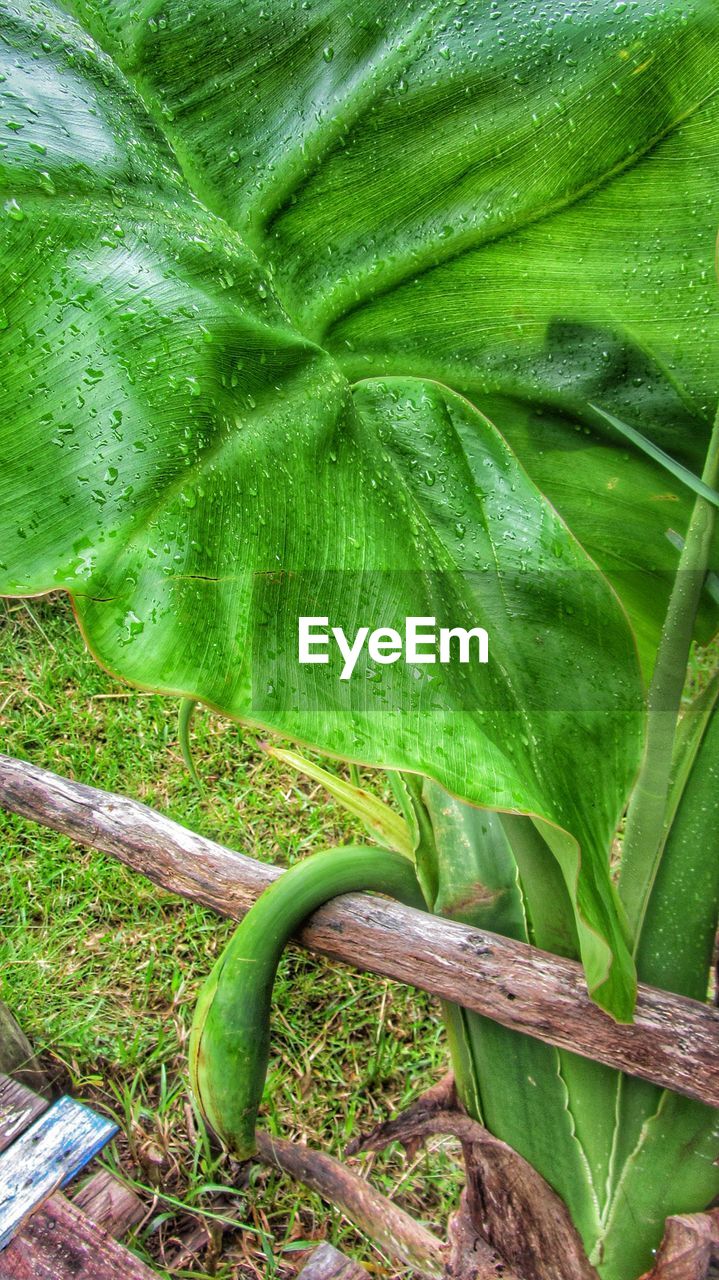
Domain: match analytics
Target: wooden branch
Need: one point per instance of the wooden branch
(17, 1057)
(674, 1042)
(375, 1215)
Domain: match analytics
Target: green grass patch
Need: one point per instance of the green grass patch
(101, 968)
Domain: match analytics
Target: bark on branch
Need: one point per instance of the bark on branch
(673, 1041)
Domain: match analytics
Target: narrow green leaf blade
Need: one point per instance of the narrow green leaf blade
(184, 724)
(665, 1145)
(683, 474)
(387, 827)
(672, 1170)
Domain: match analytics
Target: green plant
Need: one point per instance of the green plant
(270, 275)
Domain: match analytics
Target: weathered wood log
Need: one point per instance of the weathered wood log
(673, 1042)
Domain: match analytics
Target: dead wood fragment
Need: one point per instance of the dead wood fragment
(690, 1244)
(508, 1204)
(470, 1257)
(17, 1058)
(517, 1212)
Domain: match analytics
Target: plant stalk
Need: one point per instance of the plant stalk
(646, 816)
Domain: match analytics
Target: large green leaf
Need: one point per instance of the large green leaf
(518, 202)
(198, 474)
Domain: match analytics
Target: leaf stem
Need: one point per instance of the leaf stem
(647, 808)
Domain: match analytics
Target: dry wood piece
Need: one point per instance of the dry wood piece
(518, 1222)
(110, 1204)
(470, 1257)
(512, 1207)
(18, 1108)
(327, 1263)
(674, 1042)
(384, 1222)
(61, 1243)
(690, 1244)
(16, 1054)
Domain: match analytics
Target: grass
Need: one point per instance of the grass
(101, 968)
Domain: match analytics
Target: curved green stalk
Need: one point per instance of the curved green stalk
(647, 810)
(230, 1036)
